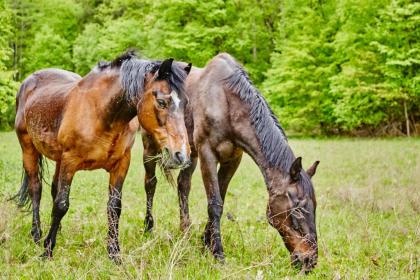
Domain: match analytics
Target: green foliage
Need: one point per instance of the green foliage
(8, 89)
(347, 66)
(97, 42)
(7, 85)
(297, 84)
(398, 47)
(45, 32)
(326, 67)
(51, 49)
(380, 75)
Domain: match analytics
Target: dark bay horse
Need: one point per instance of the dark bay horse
(226, 116)
(89, 123)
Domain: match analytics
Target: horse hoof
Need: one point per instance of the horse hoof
(115, 258)
(46, 256)
(36, 236)
(185, 226)
(220, 257)
(148, 224)
(114, 252)
(206, 240)
(37, 240)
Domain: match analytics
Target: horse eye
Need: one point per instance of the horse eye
(161, 103)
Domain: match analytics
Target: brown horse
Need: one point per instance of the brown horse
(84, 124)
(226, 116)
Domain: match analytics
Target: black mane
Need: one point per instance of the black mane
(133, 71)
(270, 134)
(118, 61)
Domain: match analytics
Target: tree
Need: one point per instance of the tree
(358, 85)
(99, 42)
(326, 67)
(398, 47)
(297, 84)
(37, 22)
(8, 87)
(51, 49)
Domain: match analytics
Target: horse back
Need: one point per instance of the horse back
(206, 90)
(217, 112)
(40, 104)
(47, 84)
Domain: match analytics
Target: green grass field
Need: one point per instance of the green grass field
(368, 193)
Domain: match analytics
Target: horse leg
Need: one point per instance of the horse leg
(150, 182)
(54, 184)
(31, 157)
(212, 236)
(224, 175)
(226, 172)
(60, 206)
(184, 187)
(116, 181)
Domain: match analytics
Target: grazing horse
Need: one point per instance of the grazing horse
(89, 123)
(225, 117)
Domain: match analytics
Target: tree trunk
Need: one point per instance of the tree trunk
(407, 120)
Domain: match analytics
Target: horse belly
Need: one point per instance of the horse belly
(226, 151)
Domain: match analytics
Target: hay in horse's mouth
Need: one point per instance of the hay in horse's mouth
(166, 166)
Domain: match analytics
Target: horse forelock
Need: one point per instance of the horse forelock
(177, 80)
(306, 184)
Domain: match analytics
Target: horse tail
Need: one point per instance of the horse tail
(22, 197)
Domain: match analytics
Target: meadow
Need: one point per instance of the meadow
(368, 193)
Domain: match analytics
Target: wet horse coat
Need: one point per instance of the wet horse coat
(87, 123)
(226, 116)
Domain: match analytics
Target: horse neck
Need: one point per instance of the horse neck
(112, 104)
(273, 175)
(273, 170)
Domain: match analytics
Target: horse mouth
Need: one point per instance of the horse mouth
(175, 164)
(304, 262)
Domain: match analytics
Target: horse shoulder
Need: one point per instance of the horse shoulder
(210, 110)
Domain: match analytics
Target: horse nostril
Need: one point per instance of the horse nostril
(179, 157)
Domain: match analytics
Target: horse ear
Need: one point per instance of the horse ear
(295, 169)
(165, 69)
(311, 171)
(188, 68)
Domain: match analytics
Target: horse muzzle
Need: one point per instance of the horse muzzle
(306, 262)
(177, 159)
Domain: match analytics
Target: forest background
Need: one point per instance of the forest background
(327, 67)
